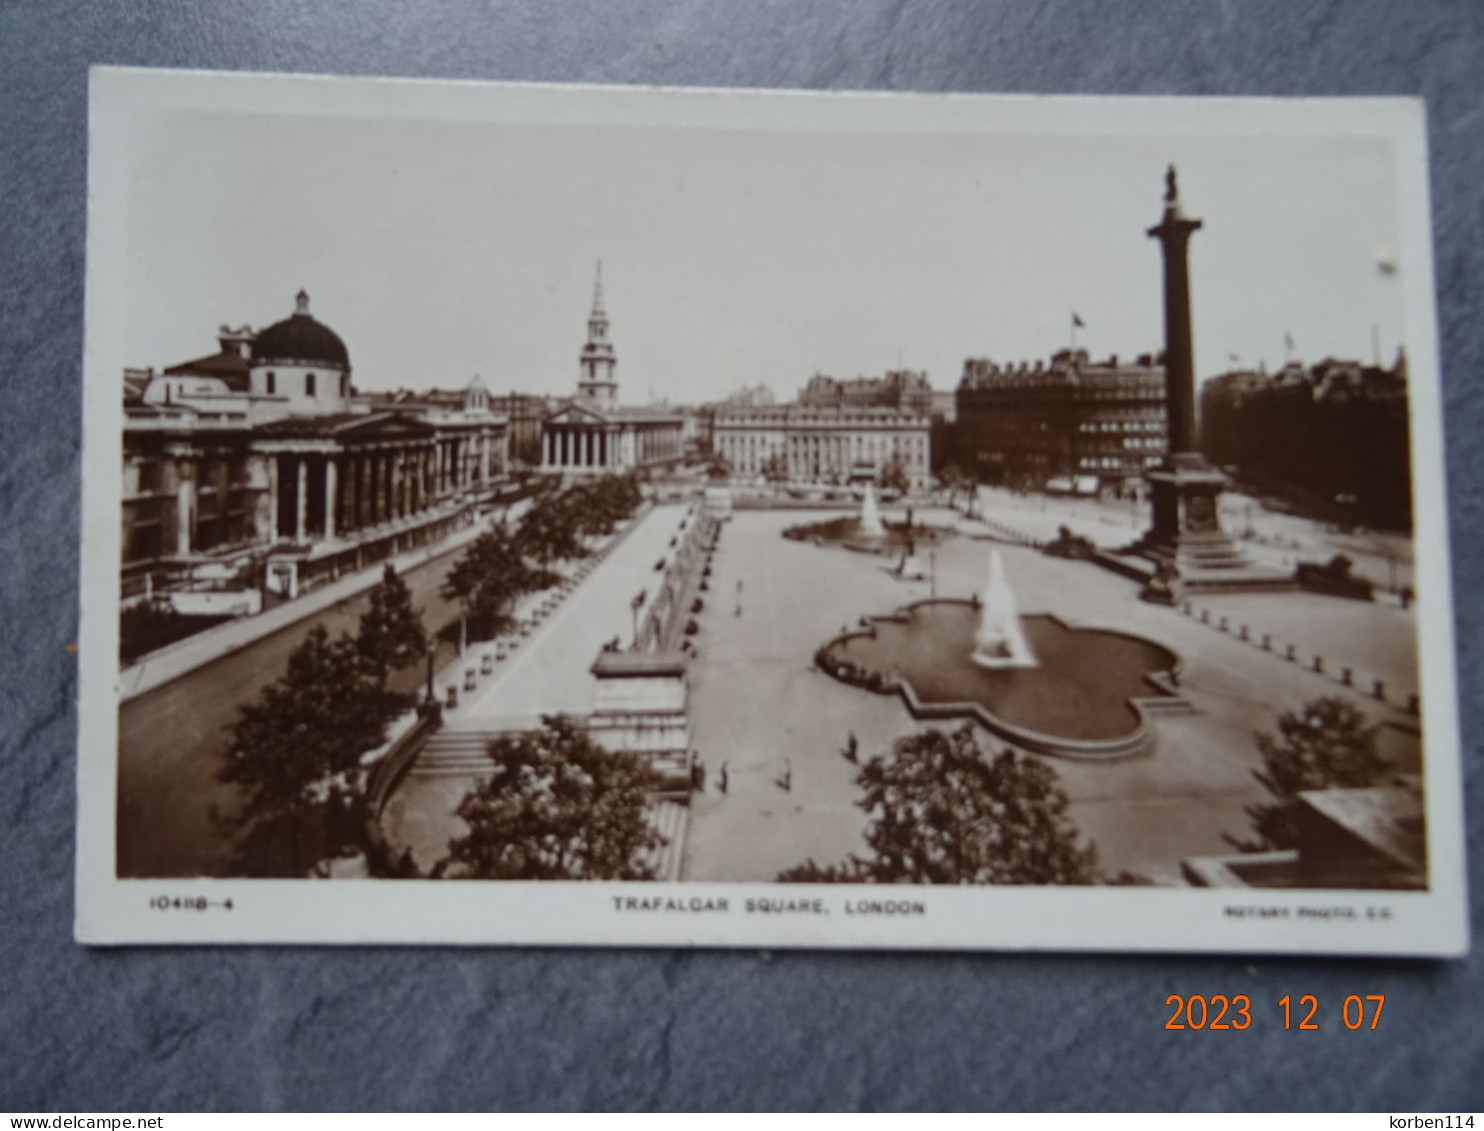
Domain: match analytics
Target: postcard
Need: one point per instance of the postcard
(521, 514)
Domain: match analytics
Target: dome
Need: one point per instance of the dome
(300, 338)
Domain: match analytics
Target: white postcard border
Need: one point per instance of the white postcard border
(115, 911)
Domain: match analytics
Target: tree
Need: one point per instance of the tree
(295, 754)
(557, 807)
(1326, 744)
(549, 531)
(390, 637)
(944, 812)
(894, 475)
(487, 580)
(954, 481)
(718, 467)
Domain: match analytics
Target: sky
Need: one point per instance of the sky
(443, 249)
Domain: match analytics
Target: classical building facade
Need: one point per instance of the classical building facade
(821, 445)
(1333, 436)
(593, 433)
(1025, 424)
(260, 466)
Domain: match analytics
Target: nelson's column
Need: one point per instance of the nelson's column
(1185, 540)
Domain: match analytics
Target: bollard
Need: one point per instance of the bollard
(1319, 664)
(1290, 653)
(1188, 608)
(1242, 633)
(1205, 616)
(469, 679)
(1223, 624)
(1267, 642)
(487, 663)
(1379, 690)
(1347, 677)
(453, 696)
(1414, 706)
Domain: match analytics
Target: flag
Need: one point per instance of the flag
(1077, 319)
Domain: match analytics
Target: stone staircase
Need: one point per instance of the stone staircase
(672, 819)
(452, 753)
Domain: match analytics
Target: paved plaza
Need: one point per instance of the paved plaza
(778, 726)
(550, 673)
(758, 705)
(1271, 539)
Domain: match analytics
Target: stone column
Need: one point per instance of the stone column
(330, 483)
(1174, 232)
(185, 505)
(301, 515)
(272, 499)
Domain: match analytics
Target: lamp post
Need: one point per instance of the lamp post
(932, 573)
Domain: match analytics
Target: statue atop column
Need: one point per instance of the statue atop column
(1185, 541)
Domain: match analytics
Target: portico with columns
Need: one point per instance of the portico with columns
(592, 434)
(337, 479)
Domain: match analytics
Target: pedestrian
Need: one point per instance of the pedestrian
(786, 782)
(722, 778)
(852, 748)
(739, 585)
(739, 608)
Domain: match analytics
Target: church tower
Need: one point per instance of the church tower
(597, 383)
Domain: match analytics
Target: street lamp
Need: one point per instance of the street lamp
(932, 573)
(634, 606)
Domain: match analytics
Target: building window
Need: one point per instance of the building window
(309, 384)
(272, 384)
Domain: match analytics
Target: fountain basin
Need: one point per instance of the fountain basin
(846, 531)
(1089, 695)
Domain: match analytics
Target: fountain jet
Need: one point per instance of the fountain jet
(1000, 641)
(870, 520)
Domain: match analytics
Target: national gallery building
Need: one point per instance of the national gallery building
(260, 466)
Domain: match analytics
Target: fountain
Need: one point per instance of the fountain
(871, 525)
(1042, 683)
(868, 532)
(1000, 641)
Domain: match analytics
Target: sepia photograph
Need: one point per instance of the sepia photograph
(832, 520)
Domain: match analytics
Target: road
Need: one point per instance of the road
(171, 738)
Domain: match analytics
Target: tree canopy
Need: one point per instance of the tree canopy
(894, 475)
(489, 577)
(945, 812)
(557, 807)
(295, 752)
(1326, 744)
(390, 637)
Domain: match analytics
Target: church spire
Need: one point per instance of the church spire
(597, 382)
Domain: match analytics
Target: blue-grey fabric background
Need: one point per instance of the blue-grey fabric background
(309, 1028)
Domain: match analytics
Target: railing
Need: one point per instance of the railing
(383, 780)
